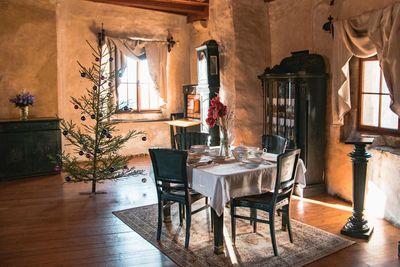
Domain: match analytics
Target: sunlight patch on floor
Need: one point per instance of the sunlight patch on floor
(303, 200)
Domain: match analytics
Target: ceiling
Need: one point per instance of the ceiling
(193, 9)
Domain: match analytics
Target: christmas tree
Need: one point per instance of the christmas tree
(94, 142)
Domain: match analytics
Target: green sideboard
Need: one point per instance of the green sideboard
(25, 147)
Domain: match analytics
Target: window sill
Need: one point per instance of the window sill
(125, 117)
(139, 112)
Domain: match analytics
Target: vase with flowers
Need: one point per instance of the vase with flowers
(23, 101)
(218, 114)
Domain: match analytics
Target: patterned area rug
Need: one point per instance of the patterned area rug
(252, 249)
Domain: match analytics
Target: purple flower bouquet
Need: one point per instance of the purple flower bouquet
(23, 99)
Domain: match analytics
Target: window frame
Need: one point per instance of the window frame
(139, 110)
(367, 128)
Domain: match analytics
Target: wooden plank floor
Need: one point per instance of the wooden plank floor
(44, 222)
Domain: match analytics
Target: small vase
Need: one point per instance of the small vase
(224, 143)
(24, 111)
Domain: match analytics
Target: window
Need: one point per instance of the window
(136, 91)
(374, 113)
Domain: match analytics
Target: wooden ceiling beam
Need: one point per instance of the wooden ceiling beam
(174, 6)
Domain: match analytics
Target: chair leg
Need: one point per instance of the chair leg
(180, 214)
(159, 225)
(233, 223)
(255, 222)
(284, 220)
(289, 226)
(252, 215)
(188, 222)
(212, 220)
(272, 231)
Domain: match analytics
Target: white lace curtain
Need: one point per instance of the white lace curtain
(155, 53)
(376, 32)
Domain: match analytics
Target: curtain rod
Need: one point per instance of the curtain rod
(170, 42)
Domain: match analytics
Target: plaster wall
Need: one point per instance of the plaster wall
(28, 56)
(297, 25)
(241, 29)
(78, 21)
(384, 185)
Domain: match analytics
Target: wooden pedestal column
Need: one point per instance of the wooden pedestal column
(357, 226)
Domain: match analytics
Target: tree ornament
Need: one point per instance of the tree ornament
(93, 116)
(81, 153)
(97, 59)
(104, 132)
(109, 136)
(88, 155)
(102, 77)
(68, 179)
(76, 107)
(144, 138)
(98, 150)
(112, 169)
(110, 83)
(111, 59)
(126, 167)
(65, 132)
(94, 87)
(83, 74)
(83, 118)
(144, 180)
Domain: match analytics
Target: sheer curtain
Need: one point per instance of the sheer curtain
(154, 52)
(376, 32)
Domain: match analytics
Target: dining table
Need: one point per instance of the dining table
(221, 182)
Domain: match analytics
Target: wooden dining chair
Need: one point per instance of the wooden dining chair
(185, 140)
(174, 129)
(274, 143)
(271, 201)
(170, 174)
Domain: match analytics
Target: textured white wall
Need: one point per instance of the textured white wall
(241, 29)
(29, 56)
(384, 184)
(78, 21)
(297, 25)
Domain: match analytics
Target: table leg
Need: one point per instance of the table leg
(218, 222)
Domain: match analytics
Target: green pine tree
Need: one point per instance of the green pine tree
(94, 142)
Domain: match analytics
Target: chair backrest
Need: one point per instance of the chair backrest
(174, 129)
(169, 166)
(185, 140)
(286, 173)
(274, 143)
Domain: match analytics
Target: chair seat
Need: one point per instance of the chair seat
(261, 201)
(177, 192)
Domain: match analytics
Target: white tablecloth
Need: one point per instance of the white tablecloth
(225, 181)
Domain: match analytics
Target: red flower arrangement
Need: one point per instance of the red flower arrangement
(216, 112)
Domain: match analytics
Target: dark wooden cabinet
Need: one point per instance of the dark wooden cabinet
(294, 106)
(26, 147)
